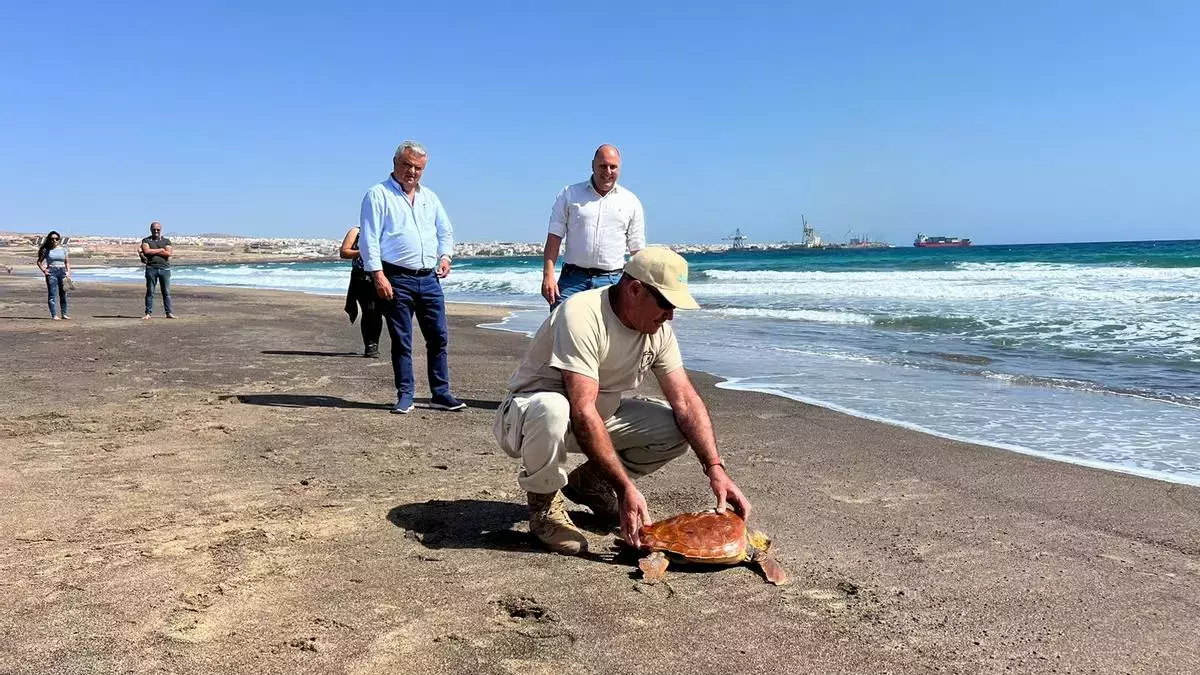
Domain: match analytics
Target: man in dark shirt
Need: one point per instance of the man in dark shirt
(156, 254)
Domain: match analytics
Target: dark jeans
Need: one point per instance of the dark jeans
(420, 295)
(56, 289)
(575, 279)
(371, 326)
(162, 277)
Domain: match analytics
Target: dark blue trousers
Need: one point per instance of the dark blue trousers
(419, 296)
(160, 276)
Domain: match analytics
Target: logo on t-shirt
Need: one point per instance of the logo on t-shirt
(646, 362)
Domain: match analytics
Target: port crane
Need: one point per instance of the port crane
(739, 240)
(811, 240)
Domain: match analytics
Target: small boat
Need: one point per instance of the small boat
(940, 242)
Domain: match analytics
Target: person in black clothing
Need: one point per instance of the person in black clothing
(361, 295)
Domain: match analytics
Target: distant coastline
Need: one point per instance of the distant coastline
(20, 248)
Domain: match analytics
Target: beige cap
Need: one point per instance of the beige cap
(666, 271)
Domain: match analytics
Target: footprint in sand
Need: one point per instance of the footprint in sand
(887, 495)
(526, 616)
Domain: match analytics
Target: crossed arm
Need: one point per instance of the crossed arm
(164, 251)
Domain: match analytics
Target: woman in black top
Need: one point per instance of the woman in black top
(361, 294)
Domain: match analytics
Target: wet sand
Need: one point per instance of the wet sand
(226, 492)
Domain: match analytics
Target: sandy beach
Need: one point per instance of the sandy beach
(227, 492)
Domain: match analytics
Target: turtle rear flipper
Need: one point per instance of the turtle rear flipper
(653, 566)
(772, 570)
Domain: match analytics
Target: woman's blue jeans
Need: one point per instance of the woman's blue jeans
(56, 289)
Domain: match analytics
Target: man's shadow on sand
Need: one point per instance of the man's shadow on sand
(320, 401)
(301, 352)
(476, 523)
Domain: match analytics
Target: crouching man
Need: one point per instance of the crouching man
(566, 396)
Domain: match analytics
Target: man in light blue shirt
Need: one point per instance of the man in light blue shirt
(405, 240)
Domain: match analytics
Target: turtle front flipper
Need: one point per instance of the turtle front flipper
(653, 566)
(772, 570)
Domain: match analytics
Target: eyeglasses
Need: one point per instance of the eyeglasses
(663, 304)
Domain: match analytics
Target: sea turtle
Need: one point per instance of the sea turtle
(708, 538)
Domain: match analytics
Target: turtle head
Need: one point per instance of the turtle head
(758, 544)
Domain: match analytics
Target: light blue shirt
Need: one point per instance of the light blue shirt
(57, 256)
(412, 235)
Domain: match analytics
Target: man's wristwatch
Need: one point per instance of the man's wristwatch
(719, 462)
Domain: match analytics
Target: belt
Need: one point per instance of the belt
(590, 271)
(389, 268)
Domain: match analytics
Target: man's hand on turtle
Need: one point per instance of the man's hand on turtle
(634, 514)
(727, 492)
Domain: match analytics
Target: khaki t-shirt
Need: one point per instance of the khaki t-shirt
(585, 336)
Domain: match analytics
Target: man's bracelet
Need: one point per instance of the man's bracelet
(719, 462)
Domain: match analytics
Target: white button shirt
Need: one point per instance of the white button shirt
(598, 230)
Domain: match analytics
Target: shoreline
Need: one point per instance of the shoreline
(730, 382)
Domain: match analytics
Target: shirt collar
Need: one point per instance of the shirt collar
(400, 188)
(591, 181)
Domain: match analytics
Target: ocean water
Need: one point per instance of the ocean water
(1088, 353)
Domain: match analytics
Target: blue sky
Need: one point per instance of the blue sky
(1005, 121)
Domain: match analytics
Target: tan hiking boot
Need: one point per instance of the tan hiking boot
(586, 486)
(549, 522)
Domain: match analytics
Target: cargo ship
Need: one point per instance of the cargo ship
(940, 242)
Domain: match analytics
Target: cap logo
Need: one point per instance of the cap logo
(682, 278)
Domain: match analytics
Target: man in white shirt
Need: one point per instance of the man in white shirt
(599, 221)
(566, 397)
(405, 240)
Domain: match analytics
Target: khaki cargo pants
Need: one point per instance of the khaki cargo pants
(536, 427)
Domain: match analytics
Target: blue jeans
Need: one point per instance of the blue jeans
(162, 277)
(575, 279)
(56, 289)
(420, 295)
